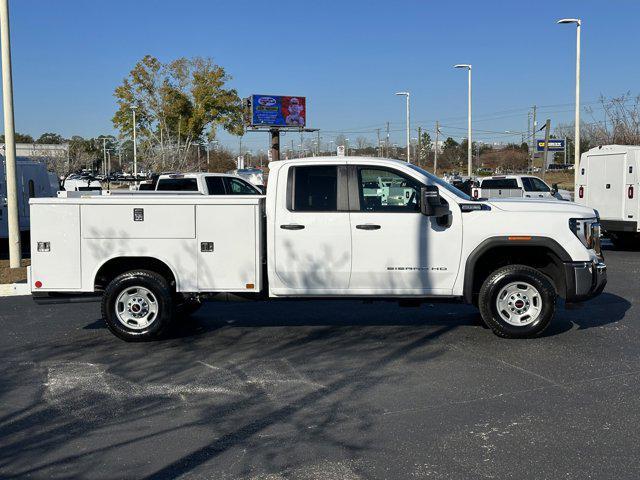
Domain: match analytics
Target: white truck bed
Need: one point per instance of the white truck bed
(83, 233)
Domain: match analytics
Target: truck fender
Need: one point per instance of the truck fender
(506, 241)
(163, 260)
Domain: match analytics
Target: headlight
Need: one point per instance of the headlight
(588, 232)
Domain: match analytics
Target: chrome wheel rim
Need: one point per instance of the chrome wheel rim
(136, 308)
(519, 304)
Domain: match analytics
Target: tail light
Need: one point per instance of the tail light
(630, 191)
(581, 192)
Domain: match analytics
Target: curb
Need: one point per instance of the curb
(14, 289)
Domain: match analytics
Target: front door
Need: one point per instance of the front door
(312, 231)
(397, 249)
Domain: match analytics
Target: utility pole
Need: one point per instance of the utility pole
(318, 146)
(104, 155)
(386, 145)
(419, 152)
(275, 144)
(15, 251)
(379, 148)
(435, 150)
(547, 127)
(135, 145)
(534, 131)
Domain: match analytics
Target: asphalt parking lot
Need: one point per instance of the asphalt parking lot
(324, 390)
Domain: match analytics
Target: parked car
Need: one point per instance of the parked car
(329, 227)
(206, 183)
(527, 186)
(608, 181)
(81, 183)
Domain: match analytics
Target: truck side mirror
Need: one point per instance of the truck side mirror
(554, 188)
(430, 204)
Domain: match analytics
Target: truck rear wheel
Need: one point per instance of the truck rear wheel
(138, 305)
(517, 301)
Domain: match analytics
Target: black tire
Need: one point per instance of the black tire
(163, 304)
(502, 279)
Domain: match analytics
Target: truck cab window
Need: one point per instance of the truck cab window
(178, 184)
(315, 189)
(236, 186)
(500, 183)
(215, 185)
(533, 184)
(383, 190)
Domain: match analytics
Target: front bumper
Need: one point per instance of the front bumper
(584, 280)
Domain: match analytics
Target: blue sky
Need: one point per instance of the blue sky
(347, 58)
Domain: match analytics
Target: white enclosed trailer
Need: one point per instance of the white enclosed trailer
(608, 181)
(34, 181)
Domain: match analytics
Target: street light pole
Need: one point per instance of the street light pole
(135, 145)
(578, 23)
(469, 141)
(407, 95)
(10, 141)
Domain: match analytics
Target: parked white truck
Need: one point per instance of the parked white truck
(509, 186)
(608, 181)
(331, 227)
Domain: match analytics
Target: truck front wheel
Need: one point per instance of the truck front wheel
(138, 305)
(517, 301)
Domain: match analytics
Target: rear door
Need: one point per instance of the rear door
(605, 189)
(312, 231)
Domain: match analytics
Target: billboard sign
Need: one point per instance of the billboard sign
(278, 111)
(555, 145)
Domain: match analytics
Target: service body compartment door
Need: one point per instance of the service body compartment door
(228, 247)
(56, 261)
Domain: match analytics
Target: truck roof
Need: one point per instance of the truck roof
(196, 175)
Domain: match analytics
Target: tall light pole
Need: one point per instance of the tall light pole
(10, 141)
(407, 95)
(469, 141)
(135, 144)
(578, 23)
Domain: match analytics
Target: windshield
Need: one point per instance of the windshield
(441, 183)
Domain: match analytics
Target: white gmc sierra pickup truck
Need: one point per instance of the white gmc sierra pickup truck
(333, 227)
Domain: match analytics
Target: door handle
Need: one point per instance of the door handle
(292, 226)
(368, 226)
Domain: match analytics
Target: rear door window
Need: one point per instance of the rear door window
(215, 185)
(315, 189)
